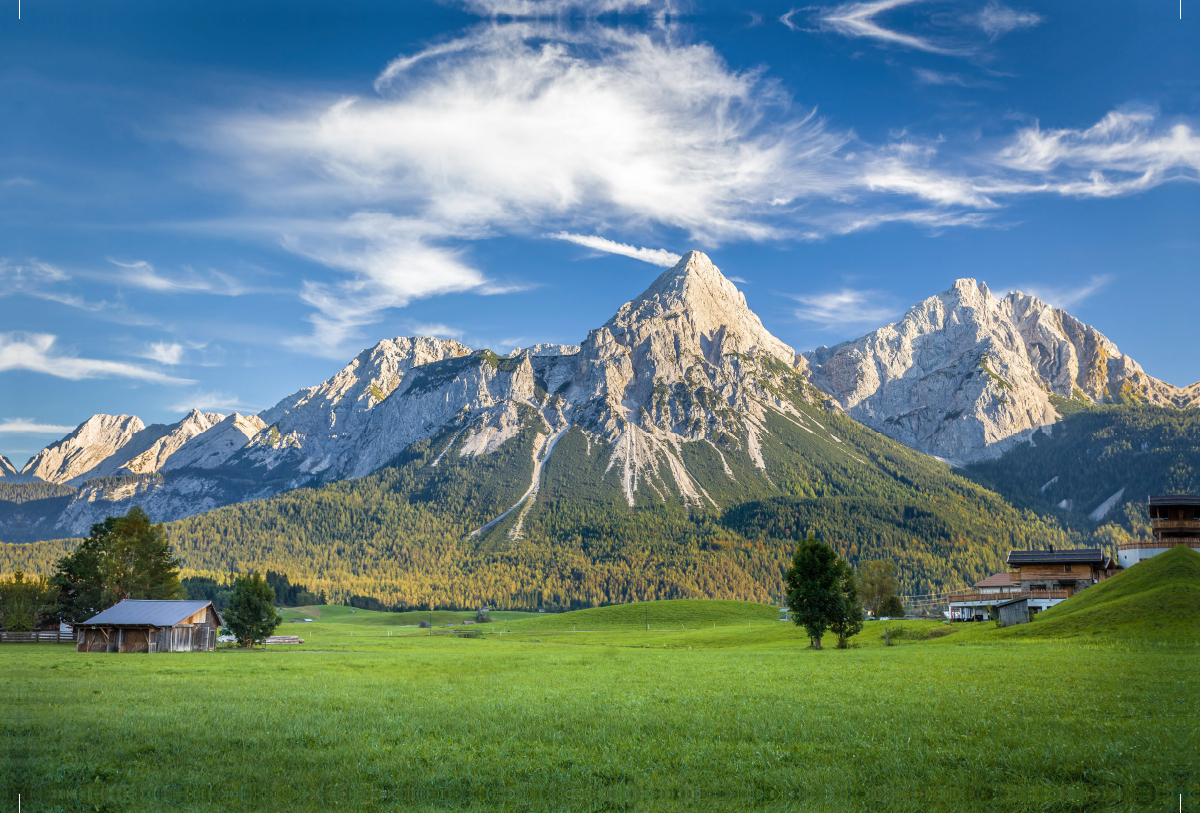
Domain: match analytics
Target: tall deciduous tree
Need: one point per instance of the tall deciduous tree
(878, 581)
(814, 584)
(123, 557)
(251, 612)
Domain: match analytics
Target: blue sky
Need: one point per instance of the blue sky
(214, 204)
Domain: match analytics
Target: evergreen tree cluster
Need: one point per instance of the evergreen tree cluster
(1090, 455)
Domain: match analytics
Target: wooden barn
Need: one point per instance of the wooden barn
(151, 626)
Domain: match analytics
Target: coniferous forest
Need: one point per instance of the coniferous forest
(406, 536)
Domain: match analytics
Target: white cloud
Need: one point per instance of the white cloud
(164, 352)
(18, 276)
(997, 19)
(525, 127)
(654, 256)
(862, 20)
(211, 401)
(859, 20)
(27, 426)
(142, 274)
(538, 9)
(391, 262)
(35, 352)
(844, 307)
(1067, 298)
(930, 77)
(1121, 154)
(438, 330)
(567, 131)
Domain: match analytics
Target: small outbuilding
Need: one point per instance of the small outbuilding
(1014, 611)
(151, 626)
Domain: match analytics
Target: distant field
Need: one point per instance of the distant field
(717, 706)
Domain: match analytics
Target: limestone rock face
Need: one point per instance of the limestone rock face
(685, 362)
(92, 443)
(327, 429)
(217, 444)
(964, 375)
(154, 446)
(540, 350)
(7, 469)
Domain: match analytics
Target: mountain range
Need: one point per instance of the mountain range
(682, 398)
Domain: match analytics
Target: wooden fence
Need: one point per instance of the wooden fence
(37, 637)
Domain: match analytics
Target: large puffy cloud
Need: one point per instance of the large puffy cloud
(508, 130)
(592, 133)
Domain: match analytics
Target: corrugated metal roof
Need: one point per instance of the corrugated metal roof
(1029, 557)
(1012, 601)
(152, 613)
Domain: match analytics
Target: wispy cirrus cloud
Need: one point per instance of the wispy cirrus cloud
(940, 30)
(835, 309)
(1068, 297)
(141, 274)
(210, 401)
(1123, 153)
(28, 426)
(655, 256)
(861, 20)
(35, 352)
(997, 19)
(541, 9)
(930, 77)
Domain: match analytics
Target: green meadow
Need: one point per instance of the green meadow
(714, 706)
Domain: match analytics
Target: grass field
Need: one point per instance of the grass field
(591, 711)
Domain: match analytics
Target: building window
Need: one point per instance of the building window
(1068, 568)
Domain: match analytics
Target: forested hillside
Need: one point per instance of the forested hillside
(1094, 454)
(404, 534)
(28, 510)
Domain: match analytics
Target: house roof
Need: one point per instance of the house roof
(1012, 601)
(1176, 499)
(1037, 557)
(996, 580)
(137, 612)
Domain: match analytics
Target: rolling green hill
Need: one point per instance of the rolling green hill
(1156, 599)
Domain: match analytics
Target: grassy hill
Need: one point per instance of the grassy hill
(1157, 599)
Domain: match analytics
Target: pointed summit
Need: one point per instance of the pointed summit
(696, 289)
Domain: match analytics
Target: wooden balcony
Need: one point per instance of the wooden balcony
(998, 597)
(1176, 525)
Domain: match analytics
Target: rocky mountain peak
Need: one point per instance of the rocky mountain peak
(964, 375)
(7, 469)
(93, 441)
(696, 290)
